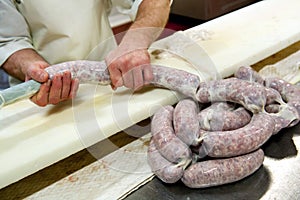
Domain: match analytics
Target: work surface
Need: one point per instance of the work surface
(32, 150)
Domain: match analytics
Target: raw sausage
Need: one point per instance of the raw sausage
(164, 138)
(94, 72)
(186, 125)
(249, 94)
(239, 141)
(215, 118)
(221, 171)
(175, 79)
(166, 171)
(249, 74)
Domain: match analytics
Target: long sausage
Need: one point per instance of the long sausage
(164, 138)
(186, 125)
(221, 171)
(239, 141)
(165, 170)
(251, 95)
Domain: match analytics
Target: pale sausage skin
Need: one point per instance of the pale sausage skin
(186, 125)
(239, 141)
(165, 170)
(249, 94)
(175, 79)
(249, 74)
(96, 72)
(85, 71)
(215, 118)
(222, 171)
(164, 138)
(289, 92)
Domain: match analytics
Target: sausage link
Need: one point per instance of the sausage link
(186, 125)
(222, 171)
(166, 171)
(166, 142)
(216, 119)
(175, 79)
(239, 141)
(289, 92)
(85, 71)
(249, 74)
(96, 72)
(249, 94)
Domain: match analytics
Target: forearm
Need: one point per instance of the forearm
(151, 18)
(20, 61)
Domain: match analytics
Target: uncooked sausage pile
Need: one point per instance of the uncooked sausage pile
(214, 136)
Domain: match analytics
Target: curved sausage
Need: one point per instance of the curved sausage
(221, 171)
(175, 79)
(239, 141)
(166, 171)
(216, 119)
(284, 116)
(249, 74)
(164, 138)
(186, 125)
(289, 92)
(249, 94)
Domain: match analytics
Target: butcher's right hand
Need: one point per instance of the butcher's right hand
(60, 87)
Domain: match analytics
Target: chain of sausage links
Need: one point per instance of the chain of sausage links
(221, 143)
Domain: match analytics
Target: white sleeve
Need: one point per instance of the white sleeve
(14, 32)
(127, 7)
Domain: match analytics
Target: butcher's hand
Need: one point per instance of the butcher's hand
(131, 69)
(52, 91)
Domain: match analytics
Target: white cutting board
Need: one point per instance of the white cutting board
(32, 138)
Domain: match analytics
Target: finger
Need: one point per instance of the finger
(147, 74)
(66, 84)
(128, 78)
(41, 98)
(55, 90)
(115, 76)
(138, 78)
(37, 74)
(74, 88)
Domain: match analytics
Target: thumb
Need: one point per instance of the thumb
(37, 73)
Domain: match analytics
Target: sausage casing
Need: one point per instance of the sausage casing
(239, 141)
(221, 171)
(186, 125)
(164, 138)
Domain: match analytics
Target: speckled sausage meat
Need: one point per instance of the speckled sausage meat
(165, 170)
(186, 125)
(164, 138)
(249, 74)
(221, 171)
(239, 141)
(289, 92)
(85, 71)
(175, 79)
(96, 72)
(215, 118)
(249, 94)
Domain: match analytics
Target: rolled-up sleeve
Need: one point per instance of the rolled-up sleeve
(14, 32)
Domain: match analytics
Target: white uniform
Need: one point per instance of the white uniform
(60, 30)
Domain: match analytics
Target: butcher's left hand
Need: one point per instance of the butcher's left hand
(131, 69)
